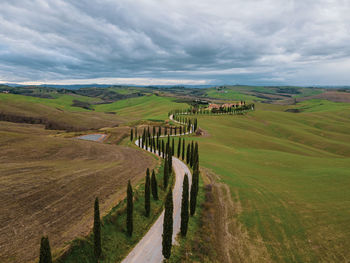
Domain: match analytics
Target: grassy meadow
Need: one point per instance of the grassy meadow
(289, 178)
(287, 173)
(153, 108)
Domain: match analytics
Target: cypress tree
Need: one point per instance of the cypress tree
(166, 173)
(163, 153)
(194, 191)
(192, 154)
(179, 148)
(158, 141)
(183, 149)
(45, 250)
(135, 132)
(154, 131)
(168, 225)
(154, 145)
(143, 137)
(180, 130)
(147, 194)
(172, 147)
(196, 156)
(129, 208)
(170, 161)
(97, 230)
(188, 153)
(184, 207)
(154, 186)
(131, 134)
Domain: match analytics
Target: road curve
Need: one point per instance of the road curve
(149, 248)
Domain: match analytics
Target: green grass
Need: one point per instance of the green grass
(290, 172)
(145, 107)
(317, 105)
(59, 101)
(251, 93)
(193, 247)
(230, 93)
(116, 244)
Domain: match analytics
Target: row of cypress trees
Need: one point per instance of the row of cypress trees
(222, 110)
(151, 186)
(191, 125)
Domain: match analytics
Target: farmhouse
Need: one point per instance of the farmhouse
(213, 106)
(225, 105)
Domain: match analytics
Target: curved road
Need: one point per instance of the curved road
(149, 248)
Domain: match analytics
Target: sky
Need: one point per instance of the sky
(169, 42)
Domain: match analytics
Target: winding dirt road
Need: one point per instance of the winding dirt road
(149, 248)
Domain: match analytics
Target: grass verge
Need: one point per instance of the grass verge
(115, 242)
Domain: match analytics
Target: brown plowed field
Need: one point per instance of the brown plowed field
(48, 186)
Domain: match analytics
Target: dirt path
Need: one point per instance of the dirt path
(149, 249)
(232, 241)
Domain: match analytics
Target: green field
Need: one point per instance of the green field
(63, 102)
(289, 173)
(145, 107)
(259, 93)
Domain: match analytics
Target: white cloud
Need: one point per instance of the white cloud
(247, 41)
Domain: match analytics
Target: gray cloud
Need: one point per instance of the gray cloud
(241, 41)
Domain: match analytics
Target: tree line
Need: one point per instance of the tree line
(151, 187)
(190, 126)
(221, 110)
(153, 143)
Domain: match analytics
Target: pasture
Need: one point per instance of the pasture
(289, 177)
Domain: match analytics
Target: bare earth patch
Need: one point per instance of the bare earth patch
(48, 185)
(232, 242)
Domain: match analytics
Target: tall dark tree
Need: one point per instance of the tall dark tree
(168, 225)
(172, 147)
(45, 251)
(179, 148)
(131, 134)
(170, 161)
(154, 186)
(163, 150)
(148, 194)
(184, 207)
(97, 230)
(166, 174)
(192, 154)
(183, 149)
(194, 191)
(143, 137)
(129, 210)
(188, 153)
(196, 157)
(136, 132)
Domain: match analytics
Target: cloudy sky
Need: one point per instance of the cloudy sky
(300, 42)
